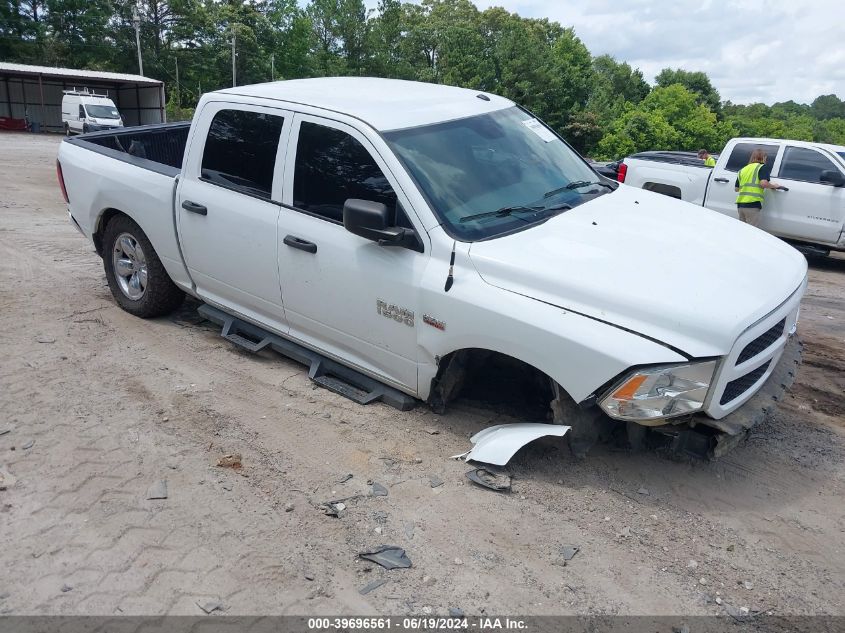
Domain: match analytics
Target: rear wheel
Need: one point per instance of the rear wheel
(137, 279)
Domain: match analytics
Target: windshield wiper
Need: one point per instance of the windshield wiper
(558, 207)
(501, 213)
(577, 185)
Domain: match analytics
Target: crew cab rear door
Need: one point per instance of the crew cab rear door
(811, 210)
(721, 195)
(346, 295)
(228, 208)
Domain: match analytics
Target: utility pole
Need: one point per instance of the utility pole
(234, 55)
(177, 76)
(272, 66)
(136, 21)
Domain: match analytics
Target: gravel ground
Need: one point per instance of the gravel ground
(101, 406)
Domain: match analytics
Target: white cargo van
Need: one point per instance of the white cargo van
(84, 111)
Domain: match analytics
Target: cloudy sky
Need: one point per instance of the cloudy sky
(752, 50)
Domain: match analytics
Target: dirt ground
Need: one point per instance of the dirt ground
(114, 404)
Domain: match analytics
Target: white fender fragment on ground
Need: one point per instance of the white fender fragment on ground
(497, 444)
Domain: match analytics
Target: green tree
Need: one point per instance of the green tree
(695, 81)
(340, 33)
(613, 85)
(77, 28)
(828, 107)
(637, 130)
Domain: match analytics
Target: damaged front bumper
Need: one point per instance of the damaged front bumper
(687, 435)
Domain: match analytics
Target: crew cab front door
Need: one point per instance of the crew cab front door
(228, 209)
(811, 210)
(345, 295)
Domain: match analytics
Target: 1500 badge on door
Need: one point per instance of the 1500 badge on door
(397, 313)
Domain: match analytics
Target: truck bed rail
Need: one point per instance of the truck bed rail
(689, 159)
(159, 147)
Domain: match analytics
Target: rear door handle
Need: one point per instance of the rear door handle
(193, 207)
(303, 245)
(720, 180)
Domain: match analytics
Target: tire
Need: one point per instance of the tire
(137, 280)
(67, 130)
(85, 128)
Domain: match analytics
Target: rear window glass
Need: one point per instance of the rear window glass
(240, 151)
(742, 152)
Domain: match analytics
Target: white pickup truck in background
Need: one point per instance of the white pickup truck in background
(810, 213)
(411, 241)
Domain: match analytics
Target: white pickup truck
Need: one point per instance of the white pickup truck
(408, 240)
(809, 212)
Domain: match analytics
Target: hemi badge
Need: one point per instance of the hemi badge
(440, 325)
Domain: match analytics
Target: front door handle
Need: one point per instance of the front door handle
(720, 180)
(303, 245)
(193, 207)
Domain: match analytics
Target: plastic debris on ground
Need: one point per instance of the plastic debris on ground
(372, 586)
(388, 556)
(333, 509)
(158, 490)
(499, 482)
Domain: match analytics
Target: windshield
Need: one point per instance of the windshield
(102, 111)
(494, 173)
(842, 154)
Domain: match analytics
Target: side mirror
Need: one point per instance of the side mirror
(832, 177)
(371, 220)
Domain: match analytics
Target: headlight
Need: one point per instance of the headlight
(660, 392)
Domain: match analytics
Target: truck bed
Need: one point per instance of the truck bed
(688, 159)
(158, 147)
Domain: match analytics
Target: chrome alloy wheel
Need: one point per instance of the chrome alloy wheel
(130, 266)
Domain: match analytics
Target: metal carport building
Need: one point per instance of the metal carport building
(35, 92)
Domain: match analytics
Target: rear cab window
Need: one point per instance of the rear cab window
(240, 151)
(741, 152)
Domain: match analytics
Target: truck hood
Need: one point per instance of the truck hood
(686, 276)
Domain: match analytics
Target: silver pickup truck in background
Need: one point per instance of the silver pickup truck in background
(810, 214)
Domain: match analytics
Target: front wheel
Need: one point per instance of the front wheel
(137, 279)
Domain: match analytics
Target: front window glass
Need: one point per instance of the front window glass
(102, 111)
(494, 173)
(800, 163)
(331, 167)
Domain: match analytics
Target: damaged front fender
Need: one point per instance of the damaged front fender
(497, 444)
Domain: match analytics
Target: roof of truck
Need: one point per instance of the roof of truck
(827, 146)
(385, 104)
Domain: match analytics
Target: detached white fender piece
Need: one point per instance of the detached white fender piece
(497, 444)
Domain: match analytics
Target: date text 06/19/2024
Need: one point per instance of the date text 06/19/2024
(411, 623)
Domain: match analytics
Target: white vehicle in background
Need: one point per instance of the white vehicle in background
(410, 240)
(84, 111)
(809, 213)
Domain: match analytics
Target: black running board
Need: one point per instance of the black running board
(325, 372)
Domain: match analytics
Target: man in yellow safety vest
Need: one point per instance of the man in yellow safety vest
(704, 155)
(751, 181)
